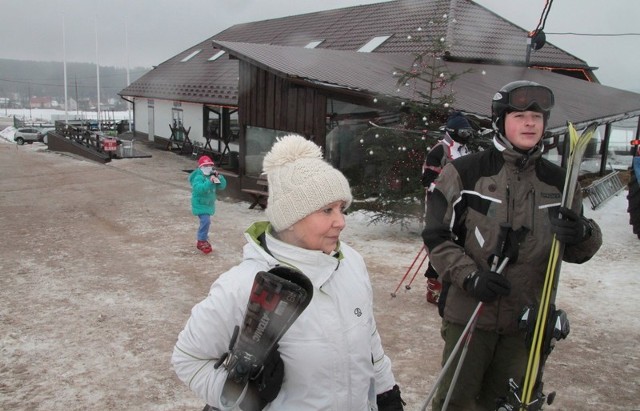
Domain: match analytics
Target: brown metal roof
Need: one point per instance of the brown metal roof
(577, 100)
(197, 80)
(471, 32)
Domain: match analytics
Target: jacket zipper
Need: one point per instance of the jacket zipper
(532, 193)
(508, 204)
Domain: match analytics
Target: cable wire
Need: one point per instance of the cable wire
(543, 16)
(596, 34)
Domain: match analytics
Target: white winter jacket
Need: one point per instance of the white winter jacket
(332, 354)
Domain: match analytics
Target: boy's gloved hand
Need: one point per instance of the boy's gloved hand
(487, 286)
(568, 226)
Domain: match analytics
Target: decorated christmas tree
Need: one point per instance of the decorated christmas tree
(392, 156)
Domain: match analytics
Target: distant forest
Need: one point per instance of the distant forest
(20, 80)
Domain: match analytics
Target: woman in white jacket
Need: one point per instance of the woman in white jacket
(331, 358)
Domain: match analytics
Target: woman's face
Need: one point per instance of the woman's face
(319, 230)
(524, 128)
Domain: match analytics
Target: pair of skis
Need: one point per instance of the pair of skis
(529, 397)
(277, 299)
(532, 397)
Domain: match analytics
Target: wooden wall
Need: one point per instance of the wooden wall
(266, 100)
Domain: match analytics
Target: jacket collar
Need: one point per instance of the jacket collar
(315, 264)
(515, 158)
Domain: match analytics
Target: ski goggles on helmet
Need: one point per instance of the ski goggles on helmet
(527, 97)
(465, 133)
(462, 132)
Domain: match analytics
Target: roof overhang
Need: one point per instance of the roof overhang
(375, 74)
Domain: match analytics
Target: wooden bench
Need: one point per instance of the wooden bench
(261, 195)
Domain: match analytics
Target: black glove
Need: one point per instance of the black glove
(390, 400)
(486, 286)
(265, 385)
(431, 272)
(568, 226)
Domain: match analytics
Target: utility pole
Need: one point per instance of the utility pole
(126, 46)
(75, 77)
(64, 65)
(29, 100)
(98, 75)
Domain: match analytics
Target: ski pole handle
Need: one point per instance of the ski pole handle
(500, 245)
(503, 264)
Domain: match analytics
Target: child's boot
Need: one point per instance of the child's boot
(204, 246)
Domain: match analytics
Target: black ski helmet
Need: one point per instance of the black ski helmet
(521, 95)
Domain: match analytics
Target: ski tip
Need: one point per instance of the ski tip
(591, 127)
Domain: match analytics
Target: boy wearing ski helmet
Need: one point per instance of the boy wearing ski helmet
(458, 132)
(331, 357)
(508, 191)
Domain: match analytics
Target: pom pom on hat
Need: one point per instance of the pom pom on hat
(300, 181)
(205, 161)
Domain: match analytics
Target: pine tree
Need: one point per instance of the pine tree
(393, 156)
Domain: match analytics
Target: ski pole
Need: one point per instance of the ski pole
(465, 349)
(465, 336)
(447, 364)
(424, 258)
(393, 294)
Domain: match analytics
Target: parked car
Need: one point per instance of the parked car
(27, 135)
(45, 133)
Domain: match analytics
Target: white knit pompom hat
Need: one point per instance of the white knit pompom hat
(300, 181)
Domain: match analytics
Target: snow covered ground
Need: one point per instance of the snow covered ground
(49, 115)
(99, 271)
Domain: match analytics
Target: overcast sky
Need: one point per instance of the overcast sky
(156, 30)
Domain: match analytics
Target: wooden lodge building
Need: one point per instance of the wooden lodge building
(327, 74)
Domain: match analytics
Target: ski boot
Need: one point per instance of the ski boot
(434, 287)
(204, 246)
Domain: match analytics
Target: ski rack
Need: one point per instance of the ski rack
(604, 189)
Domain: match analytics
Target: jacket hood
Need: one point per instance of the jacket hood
(317, 265)
(194, 174)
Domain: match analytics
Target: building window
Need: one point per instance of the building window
(190, 56)
(313, 44)
(259, 142)
(216, 56)
(373, 44)
(346, 148)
